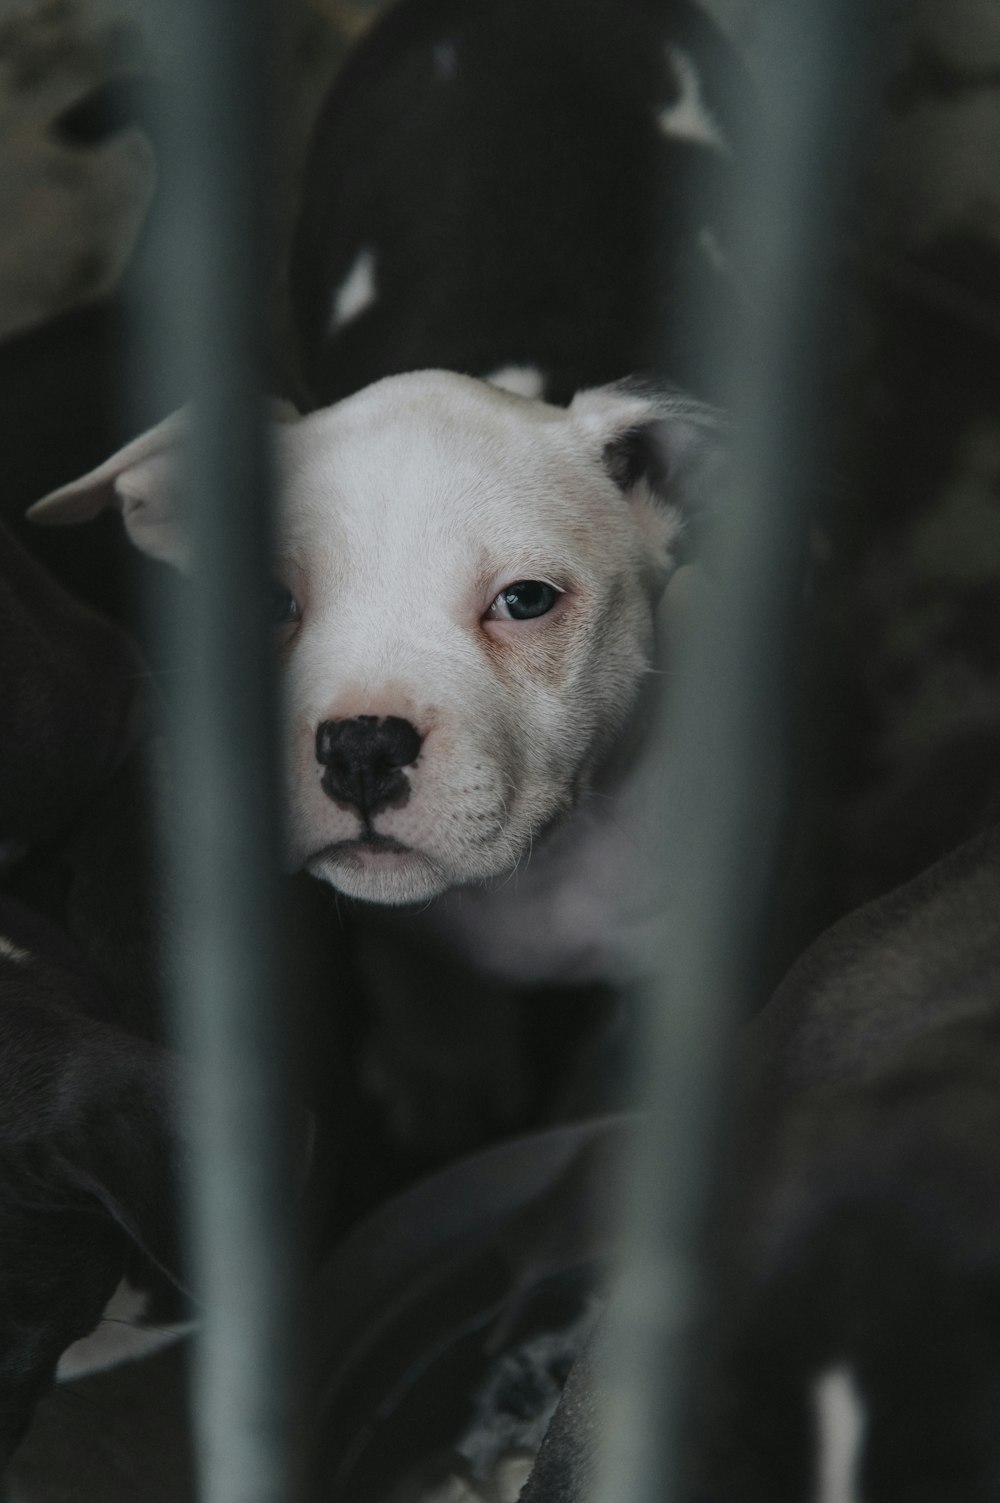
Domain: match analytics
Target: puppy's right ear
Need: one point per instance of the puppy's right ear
(140, 479)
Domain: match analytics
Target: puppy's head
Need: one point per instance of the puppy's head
(464, 592)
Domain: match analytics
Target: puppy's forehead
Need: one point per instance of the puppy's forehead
(435, 453)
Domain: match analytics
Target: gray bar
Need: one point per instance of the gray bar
(728, 704)
(199, 335)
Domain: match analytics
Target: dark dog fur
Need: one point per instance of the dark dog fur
(868, 1221)
(87, 1191)
(863, 1229)
(504, 166)
(87, 1150)
(91, 1147)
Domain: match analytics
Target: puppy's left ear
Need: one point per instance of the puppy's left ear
(663, 450)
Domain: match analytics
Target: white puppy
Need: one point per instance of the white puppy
(466, 583)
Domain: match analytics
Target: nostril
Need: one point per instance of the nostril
(334, 738)
(400, 742)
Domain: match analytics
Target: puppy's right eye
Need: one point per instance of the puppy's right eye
(284, 608)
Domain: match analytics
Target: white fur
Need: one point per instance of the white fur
(10, 951)
(689, 118)
(355, 293)
(840, 1432)
(406, 509)
(521, 380)
(120, 1336)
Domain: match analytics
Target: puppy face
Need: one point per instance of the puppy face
(464, 585)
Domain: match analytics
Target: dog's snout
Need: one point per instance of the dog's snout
(363, 758)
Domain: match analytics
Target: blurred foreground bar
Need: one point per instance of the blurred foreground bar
(728, 712)
(199, 333)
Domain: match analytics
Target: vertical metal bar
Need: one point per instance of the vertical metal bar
(727, 709)
(199, 334)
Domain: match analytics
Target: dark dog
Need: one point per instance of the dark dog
(857, 1354)
(518, 191)
(91, 1146)
(87, 1146)
(87, 1174)
(862, 1346)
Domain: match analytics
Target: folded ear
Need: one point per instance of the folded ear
(663, 450)
(141, 479)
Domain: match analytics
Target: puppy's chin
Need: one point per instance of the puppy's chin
(384, 873)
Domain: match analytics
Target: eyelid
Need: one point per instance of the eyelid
(529, 579)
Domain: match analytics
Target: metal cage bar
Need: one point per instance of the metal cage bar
(199, 332)
(729, 704)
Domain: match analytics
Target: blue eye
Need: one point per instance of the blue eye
(283, 606)
(525, 599)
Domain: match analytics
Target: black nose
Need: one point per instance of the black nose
(363, 758)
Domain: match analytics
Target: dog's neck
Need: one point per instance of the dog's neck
(580, 909)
